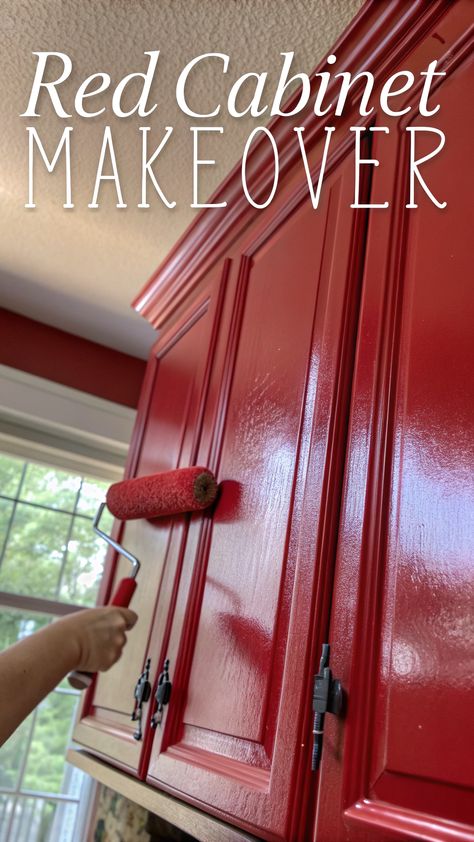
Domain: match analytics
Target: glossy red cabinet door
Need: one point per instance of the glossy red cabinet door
(232, 739)
(166, 436)
(401, 764)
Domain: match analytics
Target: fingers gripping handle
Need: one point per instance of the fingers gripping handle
(123, 595)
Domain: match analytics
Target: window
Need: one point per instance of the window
(50, 564)
(49, 549)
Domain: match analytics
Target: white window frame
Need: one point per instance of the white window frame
(42, 421)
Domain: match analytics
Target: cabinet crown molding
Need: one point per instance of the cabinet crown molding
(364, 45)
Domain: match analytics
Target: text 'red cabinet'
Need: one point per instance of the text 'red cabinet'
(318, 362)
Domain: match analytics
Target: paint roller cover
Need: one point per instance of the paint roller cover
(157, 495)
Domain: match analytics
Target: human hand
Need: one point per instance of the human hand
(97, 635)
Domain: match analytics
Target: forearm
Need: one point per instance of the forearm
(29, 670)
(88, 640)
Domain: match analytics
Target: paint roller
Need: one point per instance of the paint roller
(158, 495)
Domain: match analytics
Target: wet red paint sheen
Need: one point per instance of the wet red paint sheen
(404, 582)
(320, 363)
(165, 437)
(244, 603)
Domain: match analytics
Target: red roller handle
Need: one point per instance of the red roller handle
(124, 592)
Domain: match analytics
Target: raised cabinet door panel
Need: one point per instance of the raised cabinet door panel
(170, 418)
(401, 766)
(232, 738)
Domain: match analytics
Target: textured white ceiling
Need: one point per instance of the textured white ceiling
(79, 269)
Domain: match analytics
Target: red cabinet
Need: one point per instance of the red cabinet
(231, 739)
(170, 413)
(401, 763)
(318, 361)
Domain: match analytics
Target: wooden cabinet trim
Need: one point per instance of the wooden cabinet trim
(376, 815)
(202, 827)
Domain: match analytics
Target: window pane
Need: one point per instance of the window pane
(84, 565)
(45, 768)
(50, 487)
(6, 806)
(52, 554)
(62, 823)
(12, 755)
(15, 623)
(33, 557)
(92, 494)
(37, 820)
(10, 474)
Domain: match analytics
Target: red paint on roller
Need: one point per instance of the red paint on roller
(168, 493)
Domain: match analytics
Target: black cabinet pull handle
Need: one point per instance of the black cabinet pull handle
(327, 698)
(162, 694)
(142, 694)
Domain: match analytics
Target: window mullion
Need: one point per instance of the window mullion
(38, 604)
(44, 507)
(12, 516)
(48, 796)
(68, 538)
